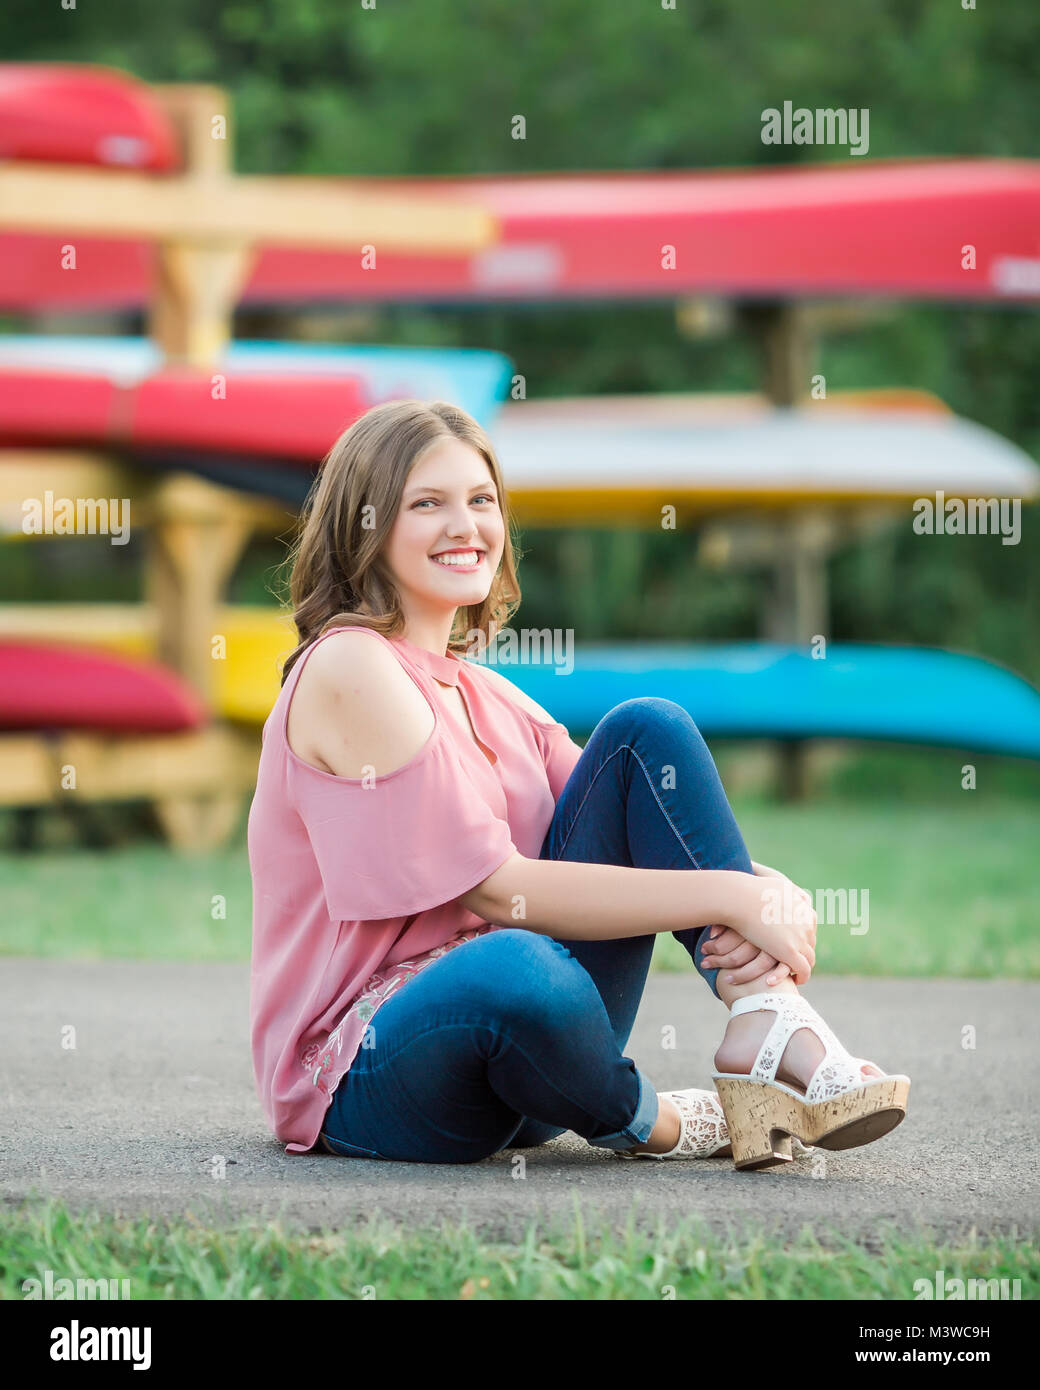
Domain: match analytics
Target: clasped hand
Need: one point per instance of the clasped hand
(744, 962)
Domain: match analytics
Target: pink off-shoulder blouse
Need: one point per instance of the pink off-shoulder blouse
(355, 883)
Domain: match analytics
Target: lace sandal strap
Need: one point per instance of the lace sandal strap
(836, 1074)
(702, 1124)
(769, 1055)
(837, 1070)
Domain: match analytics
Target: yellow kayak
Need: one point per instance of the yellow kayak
(247, 678)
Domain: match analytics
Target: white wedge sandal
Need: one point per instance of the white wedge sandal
(839, 1109)
(703, 1131)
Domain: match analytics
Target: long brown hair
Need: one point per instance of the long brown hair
(339, 578)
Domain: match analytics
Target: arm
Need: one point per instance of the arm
(592, 902)
(563, 753)
(575, 901)
(364, 712)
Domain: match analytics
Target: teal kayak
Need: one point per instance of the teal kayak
(769, 690)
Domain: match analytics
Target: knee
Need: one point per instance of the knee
(648, 711)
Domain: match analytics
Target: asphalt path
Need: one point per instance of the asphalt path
(154, 1112)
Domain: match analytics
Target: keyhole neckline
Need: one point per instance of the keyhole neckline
(443, 668)
(446, 669)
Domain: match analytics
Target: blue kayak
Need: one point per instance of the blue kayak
(769, 690)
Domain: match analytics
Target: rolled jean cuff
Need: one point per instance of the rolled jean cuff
(640, 1127)
(711, 975)
(694, 940)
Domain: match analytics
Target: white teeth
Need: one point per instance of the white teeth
(469, 557)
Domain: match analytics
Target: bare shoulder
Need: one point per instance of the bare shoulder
(351, 657)
(355, 706)
(507, 688)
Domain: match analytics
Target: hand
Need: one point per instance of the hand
(733, 953)
(740, 958)
(764, 871)
(786, 930)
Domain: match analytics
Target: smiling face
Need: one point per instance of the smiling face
(447, 538)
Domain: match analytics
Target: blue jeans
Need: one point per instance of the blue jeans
(516, 1037)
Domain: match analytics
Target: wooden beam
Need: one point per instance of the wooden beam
(197, 781)
(122, 766)
(75, 474)
(196, 531)
(752, 542)
(209, 222)
(208, 208)
(31, 473)
(29, 776)
(116, 626)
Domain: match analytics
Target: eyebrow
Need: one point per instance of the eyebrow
(488, 486)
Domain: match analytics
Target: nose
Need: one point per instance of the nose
(462, 526)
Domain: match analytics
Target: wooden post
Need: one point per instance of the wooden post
(797, 611)
(192, 108)
(786, 343)
(196, 540)
(198, 283)
(194, 301)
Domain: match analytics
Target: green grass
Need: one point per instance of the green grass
(561, 1260)
(952, 890)
(949, 876)
(136, 902)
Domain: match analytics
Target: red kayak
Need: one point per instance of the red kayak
(248, 414)
(73, 114)
(49, 685)
(877, 227)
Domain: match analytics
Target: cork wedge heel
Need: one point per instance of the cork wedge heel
(838, 1109)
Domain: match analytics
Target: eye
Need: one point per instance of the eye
(487, 496)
